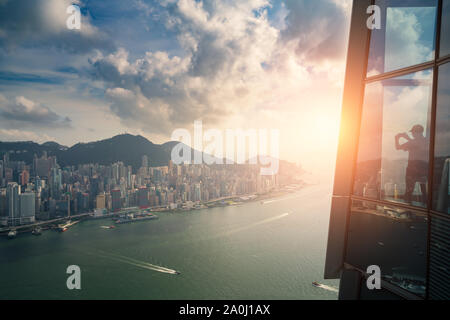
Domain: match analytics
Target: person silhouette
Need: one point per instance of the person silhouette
(417, 170)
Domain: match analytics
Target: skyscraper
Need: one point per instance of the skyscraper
(27, 208)
(116, 200)
(143, 197)
(13, 203)
(144, 161)
(24, 177)
(100, 201)
(3, 208)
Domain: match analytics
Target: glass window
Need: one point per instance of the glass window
(406, 37)
(442, 143)
(445, 29)
(392, 238)
(393, 150)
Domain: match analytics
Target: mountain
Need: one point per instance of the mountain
(126, 148)
(54, 145)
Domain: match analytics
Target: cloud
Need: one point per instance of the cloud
(42, 23)
(317, 30)
(225, 46)
(206, 60)
(233, 58)
(21, 135)
(404, 45)
(26, 112)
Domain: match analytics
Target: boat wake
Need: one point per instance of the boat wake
(138, 263)
(329, 288)
(281, 216)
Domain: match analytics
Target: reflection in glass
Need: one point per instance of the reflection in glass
(406, 37)
(441, 188)
(445, 29)
(394, 140)
(392, 238)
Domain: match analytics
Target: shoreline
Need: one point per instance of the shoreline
(222, 202)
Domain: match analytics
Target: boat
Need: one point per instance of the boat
(108, 227)
(36, 231)
(177, 272)
(131, 219)
(65, 227)
(316, 284)
(12, 234)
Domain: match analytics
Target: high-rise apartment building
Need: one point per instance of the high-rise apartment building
(13, 203)
(116, 200)
(100, 201)
(144, 161)
(27, 208)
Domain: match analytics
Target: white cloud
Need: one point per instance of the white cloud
(26, 112)
(404, 46)
(21, 135)
(233, 59)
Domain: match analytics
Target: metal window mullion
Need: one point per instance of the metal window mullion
(432, 142)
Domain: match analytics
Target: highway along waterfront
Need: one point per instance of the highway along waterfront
(270, 249)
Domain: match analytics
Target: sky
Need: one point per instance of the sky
(150, 67)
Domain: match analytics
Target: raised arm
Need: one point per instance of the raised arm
(399, 146)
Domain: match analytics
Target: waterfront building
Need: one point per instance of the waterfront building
(143, 197)
(13, 203)
(27, 208)
(116, 200)
(100, 201)
(3, 208)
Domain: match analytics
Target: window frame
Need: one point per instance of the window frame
(434, 66)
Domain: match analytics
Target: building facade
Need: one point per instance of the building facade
(27, 208)
(390, 206)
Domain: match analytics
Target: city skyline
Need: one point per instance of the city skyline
(154, 66)
(43, 190)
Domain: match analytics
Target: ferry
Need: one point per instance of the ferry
(36, 231)
(108, 227)
(65, 227)
(12, 234)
